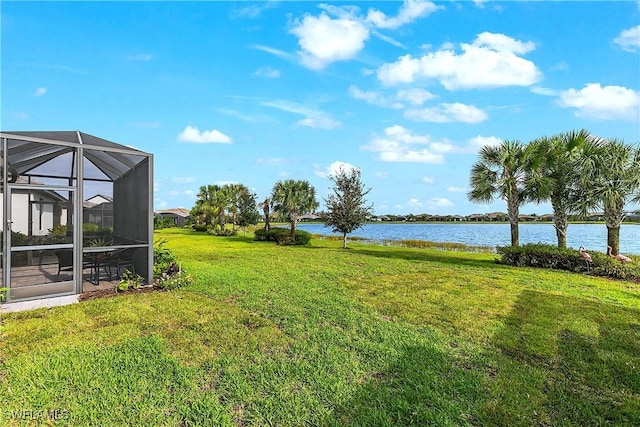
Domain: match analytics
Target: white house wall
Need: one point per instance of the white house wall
(20, 214)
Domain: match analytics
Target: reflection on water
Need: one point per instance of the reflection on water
(592, 236)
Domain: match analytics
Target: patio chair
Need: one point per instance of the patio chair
(65, 261)
(120, 260)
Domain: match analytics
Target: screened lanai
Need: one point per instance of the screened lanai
(77, 213)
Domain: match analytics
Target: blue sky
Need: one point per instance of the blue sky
(258, 92)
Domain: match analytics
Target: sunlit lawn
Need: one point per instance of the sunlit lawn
(318, 335)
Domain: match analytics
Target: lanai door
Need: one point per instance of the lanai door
(41, 257)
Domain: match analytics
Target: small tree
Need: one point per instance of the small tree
(247, 210)
(347, 207)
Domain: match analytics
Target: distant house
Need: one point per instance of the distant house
(34, 212)
(523, 217)
(547, 217)
(308, 217)
(179, 215)
(98, 210)
(476, 217)
(497, 216)
(595, 216)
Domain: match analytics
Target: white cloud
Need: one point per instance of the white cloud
(273, 51)
(145, 57)
(319, 123)
(183, 179)
(40, 91)
(339, 33)
(398, 145)
(409, 12)
(428, 179)
(414, 203)
(267, 72)
(602, 103)
(313, 118)
(539, 90)
(415, 96)
(189, 193)
(373, 98)
(456, 189)
(446, 113)
(193, 134)
(381, 175)
(491, 61)
(254, 10)
(334, 168)
(478, 142)
(173, 193)
(439, 202)
(629, 39)
(324, 40)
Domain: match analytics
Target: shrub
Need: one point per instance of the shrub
(173, 278)
(222, 232)
(162, 258)
(129, 280)
(549, 256)
(199, 227)
(282, 236)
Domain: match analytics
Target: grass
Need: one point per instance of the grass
(317, 335)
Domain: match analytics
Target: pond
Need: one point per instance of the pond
(592, 236)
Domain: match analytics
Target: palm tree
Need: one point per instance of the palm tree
(501, 171)
(235, 193)
(293, 198)
(204, 206)
(265, 205)
(555, 175)
(611, 179)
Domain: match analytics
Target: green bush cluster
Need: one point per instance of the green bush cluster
(166, 272)
(173, 278)
(200, 227)
(222, 232)
(549, 256)
(162, 258)
(282, 236)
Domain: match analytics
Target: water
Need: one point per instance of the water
(592, 236)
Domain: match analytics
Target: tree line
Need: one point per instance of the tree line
(347, 208)
(576, 171)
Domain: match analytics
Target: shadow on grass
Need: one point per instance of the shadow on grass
(445, 257)
(586, 356)
(423, 387)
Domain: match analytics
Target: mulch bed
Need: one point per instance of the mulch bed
(107, 293)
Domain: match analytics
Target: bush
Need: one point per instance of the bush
(223, 232)
(549, 256)
(162, 258)
(173, 278)
(282, 236)
(198, 227)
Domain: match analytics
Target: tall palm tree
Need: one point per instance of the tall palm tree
(501, 172)
(204, 207)
(221, 201)
(556, 175)
(265, 205)
(235, 193)
(611, 179)
(293, 198)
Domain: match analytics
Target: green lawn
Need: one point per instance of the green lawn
(317, 335)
